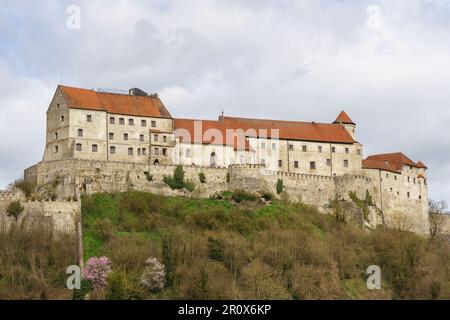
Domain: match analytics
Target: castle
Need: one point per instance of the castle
(99, 141)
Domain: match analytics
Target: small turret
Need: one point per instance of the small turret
(344, 120)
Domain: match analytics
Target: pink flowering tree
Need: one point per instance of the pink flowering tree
(96, 271)
(154, 275)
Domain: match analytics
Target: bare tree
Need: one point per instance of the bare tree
(437, 217)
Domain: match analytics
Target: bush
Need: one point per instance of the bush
(154, 276)
(202, 177)
(26, 187)
(14, 209)
(176, 182)
(104, 229)
(85, 288)
(216, 249)
(267, 196)
(117, 287)
(96, 271)
(241, 195)
(279, 186)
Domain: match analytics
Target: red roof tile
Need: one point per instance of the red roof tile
(144, 106)
(420, 164)
(290, 130)
(343, 118)
(398, 160)
(379, 165)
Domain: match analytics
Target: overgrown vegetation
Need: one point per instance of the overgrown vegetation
(222, 249)
(33, 264)
(279, 186)
(148, 176)
(177, 181)
(362, 204)
(202, 177)
(14, 209)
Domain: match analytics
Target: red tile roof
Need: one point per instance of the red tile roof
(420, 164)
(144, 106)
(397, 160)
(290, 130)
(210, 132)
(343, 118)
(379, 165)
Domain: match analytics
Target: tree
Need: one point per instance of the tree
(169, 260)
(280, 186)
(436, 217)
(14, 209)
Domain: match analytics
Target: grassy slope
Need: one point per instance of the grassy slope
(277, 251)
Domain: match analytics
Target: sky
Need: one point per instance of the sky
(386, 63)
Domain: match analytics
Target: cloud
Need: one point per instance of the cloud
(303, 60)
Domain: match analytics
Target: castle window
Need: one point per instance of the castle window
(387, 175)
(395, 177)
(78, 147)
(280, 163)
(409, 179)
(291, 147)
(165, 138)
(141, 137)
(358, 152)
(304, 148)
(274, 146)
(320, 149)
(156, 137)
(143, 123)
(112, 120)
(347, 150)
(425, 182)
(333, 149)
(130, 151)
(392, 189)
(89, 118)
(408, 194)
(164, 152)
(121, 121)
(56, 149)
(263, 145)
(56, 135)
(328, 162)
(398, 193)
(111, 136)
(62, 118)
(144, 151)
(420, 197)
(157, 151)
(112, 150)
(125, 136)
(153, 124)
(131, 122)
(296, 164)
(80, 132)
(188, 153)
(345, 163)
(94, 148)
(414, 180)
(312, 165)
(58, 105)
(139, 151)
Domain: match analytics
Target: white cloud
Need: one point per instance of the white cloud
(301, 60)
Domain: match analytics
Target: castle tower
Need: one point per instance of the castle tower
(344, 120)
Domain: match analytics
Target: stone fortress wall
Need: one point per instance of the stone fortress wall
(79, 177)
(59, 216)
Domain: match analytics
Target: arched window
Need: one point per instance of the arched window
(156, 162)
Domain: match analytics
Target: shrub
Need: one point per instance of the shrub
(241, 195)
(104, 229)
(96, 271)
(117, 286)
(202, 177)
(176, 182)
(85, 288)
(267, 196)
(154, 275)
(216, 249)
(169, 259)
(14, 209)
(279, 186)
(26, 187)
